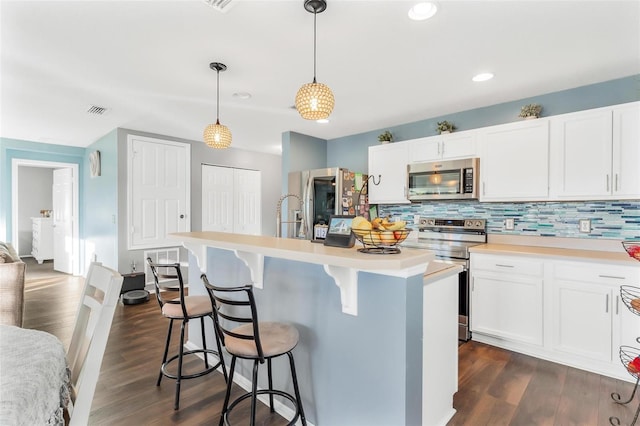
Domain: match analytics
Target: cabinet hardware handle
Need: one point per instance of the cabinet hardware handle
(616, 183)
(483, 191)
(606, 306)
(611, 276)
(607, 182)
(617, 305)
(442, 148)
(438, 148)
(504, 266)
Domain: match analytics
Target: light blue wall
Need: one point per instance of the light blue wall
(19, 149)
(301, 152)
(337, 352)
(351, 151)
(100, 207)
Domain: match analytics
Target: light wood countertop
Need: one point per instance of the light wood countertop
(621, 257)
(306, 251)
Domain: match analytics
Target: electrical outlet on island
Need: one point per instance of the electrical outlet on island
(585, 225)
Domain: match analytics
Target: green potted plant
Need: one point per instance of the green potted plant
(385, 137)
(530, 111)
(445, 127)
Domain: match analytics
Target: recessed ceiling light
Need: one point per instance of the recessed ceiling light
(323, 121)
(242, 95)
(482, 76)
(422, 11)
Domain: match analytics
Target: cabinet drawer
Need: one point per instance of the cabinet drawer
(602, 273)
(510, 264)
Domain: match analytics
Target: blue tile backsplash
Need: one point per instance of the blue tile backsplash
(618, 220)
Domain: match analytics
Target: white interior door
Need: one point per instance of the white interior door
(159, 191)
(63, 220)
(231, 200)
(217, 198)
(247, 202)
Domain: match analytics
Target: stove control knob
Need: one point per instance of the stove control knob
(468, 223)
(478, 224)
(431, 222)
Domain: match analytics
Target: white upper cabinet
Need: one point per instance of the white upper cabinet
(389, 161)
(581, 156)
(447, 146)
(626, 151)
(596, 154)
(514, 161)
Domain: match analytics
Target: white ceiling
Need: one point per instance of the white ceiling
(148, 63)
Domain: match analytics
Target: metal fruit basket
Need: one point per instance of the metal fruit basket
(632, 248)
(380, 242)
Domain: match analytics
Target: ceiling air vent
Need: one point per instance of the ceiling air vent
(220, 5)
(97, 110)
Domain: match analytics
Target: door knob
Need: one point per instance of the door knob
(181, 216)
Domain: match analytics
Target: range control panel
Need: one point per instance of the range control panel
(470, 224)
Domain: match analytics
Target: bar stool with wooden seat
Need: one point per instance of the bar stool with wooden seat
(254, 340)
(183, 308)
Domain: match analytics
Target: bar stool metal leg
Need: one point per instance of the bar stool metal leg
(270, 385)
(166, 352)
(296, 389)
(225, 405)
(176, 404)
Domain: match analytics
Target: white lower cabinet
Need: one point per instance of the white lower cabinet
(582, 319)
(570, 312)
(506, 298)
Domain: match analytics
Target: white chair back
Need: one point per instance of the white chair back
(89, 340)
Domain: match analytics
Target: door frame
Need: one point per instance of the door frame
(18, 162)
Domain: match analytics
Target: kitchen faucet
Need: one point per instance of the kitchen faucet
(302, 233)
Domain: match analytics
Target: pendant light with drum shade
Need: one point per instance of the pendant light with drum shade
(315, 101)
(217, 135)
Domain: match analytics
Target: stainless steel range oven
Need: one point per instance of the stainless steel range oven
(450, 240)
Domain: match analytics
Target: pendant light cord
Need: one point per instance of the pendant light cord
(314, 44)
(217, 96)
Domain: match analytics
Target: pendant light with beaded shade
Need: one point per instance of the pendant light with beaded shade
(217, 135)
(315, 101)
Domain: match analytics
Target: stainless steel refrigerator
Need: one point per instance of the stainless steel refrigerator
(323, 192)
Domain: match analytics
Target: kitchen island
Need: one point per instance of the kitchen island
(378, 340)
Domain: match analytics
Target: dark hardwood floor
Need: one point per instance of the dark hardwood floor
(496, 387)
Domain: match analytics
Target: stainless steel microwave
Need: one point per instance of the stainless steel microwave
(444, 180)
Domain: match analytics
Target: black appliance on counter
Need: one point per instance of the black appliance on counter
(450, 240)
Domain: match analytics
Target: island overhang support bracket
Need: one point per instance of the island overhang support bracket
(255, 263)
(347, 280)
(199, 251)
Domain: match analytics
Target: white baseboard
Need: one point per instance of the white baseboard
(245, 384)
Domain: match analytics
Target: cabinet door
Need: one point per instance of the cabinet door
(425, 149)
(582, 319)
(507, 306)
(459, 145)
(388, 161)
(514, 165)
(626, 151)
(581, 159)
